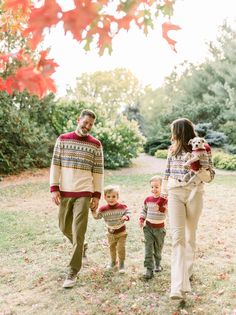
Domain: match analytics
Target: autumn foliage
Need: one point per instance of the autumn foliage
(89, 21)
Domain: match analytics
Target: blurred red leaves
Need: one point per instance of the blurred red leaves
(166, 28)
(89, 21)
(34, 77)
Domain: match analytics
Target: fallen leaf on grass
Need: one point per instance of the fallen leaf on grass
(198, 311)
(39, 281)
(27, 260)
(223, 276)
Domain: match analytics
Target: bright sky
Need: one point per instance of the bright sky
(148, 57)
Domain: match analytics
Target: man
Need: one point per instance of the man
(76, 179)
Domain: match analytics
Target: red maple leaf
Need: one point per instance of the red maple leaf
(40, 18)
(46, 66)
(32, 80)
(104, 34)
(166, 27)
(16, 4)
(76, 21)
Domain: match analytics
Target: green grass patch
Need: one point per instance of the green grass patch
(34, 257)
(23, 190)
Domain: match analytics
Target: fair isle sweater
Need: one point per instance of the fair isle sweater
(175, 171)
(112, 215)
(77, 166)
(155, 218)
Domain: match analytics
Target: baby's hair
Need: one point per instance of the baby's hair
(112, 188)
(156, 178)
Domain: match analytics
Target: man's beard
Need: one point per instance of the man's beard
(81, 132)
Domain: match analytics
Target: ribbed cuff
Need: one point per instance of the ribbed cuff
(96, 194)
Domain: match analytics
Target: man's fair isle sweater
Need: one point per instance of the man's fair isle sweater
(154, 218)
(112, 215)
(77, 166)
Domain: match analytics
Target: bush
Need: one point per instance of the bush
(230, 149)
(26, 136)
(229, 128)
(152, 145)
(161, 154)
(225, 161)
(214, 138)
(122, 141)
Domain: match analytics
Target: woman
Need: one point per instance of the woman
(185, 203)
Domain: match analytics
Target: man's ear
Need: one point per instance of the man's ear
(190, 141)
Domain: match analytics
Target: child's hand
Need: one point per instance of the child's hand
(141, 224)
(156, 207)
(124, 218)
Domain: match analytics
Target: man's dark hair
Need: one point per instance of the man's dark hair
(87, 112)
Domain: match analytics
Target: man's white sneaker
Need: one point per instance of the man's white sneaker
(70, 279)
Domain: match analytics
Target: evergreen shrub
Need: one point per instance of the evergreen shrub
(161, 154)
(225, 161)
(25, 132)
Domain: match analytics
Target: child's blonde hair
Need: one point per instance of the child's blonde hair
(156, 178)
(112, 188)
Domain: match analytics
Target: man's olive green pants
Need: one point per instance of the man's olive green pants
(73, 221)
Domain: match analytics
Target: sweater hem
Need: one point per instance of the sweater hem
(71, 194)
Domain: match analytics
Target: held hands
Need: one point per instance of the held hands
(94, 204)
(56, 197)
(141, 222)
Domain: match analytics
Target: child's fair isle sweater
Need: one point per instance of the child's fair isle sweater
(154, 217)
(175, 171)
(77, 166)
(112, 215)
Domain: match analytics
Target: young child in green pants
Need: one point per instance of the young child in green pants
(152, 220)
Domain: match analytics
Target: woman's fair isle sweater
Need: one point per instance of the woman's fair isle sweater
(112, 215)
(77, 166)
(153, 216)
(175, 171)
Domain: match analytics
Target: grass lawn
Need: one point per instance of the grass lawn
(34, 255)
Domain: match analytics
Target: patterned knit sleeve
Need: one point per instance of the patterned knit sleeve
(98, 172)
(55, 170)
(127, 212)
(164, 191)
(143, 214)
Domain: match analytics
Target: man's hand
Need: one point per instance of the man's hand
(94, 203)
(56, 197)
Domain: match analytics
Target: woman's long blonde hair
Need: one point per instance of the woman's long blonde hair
(182, 131)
